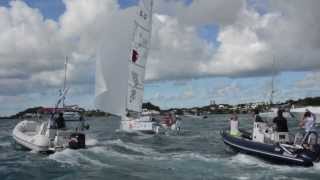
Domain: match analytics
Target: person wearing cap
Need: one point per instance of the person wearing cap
(280, 122)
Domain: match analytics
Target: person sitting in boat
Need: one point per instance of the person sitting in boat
(308, 123)
(257, 117)
(60, 121)
(280, 122)
(234, 125)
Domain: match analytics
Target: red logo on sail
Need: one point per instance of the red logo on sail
(135, 56)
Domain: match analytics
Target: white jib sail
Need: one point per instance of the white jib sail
(111, 79)
(119, 81)
(139, 54)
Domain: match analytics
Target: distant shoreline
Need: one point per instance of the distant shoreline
(197, 111)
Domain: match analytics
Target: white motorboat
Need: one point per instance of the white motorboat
(53, 134)
(41, 137)
(273, 112)
(71, 115)
(30, 135)
(123, 96)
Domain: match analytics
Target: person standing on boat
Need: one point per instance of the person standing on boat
(280, 122)
(308, 123)
(257, 117)
(234, 125)
(313, 115)
(60, 121)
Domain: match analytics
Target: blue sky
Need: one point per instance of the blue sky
(235, 87)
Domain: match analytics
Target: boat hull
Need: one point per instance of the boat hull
(268, 152)
(36, 137)
(132, 126)
(25, 133)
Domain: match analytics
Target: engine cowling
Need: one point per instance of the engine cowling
(77, 141)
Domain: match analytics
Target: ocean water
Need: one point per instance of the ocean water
(198, 153)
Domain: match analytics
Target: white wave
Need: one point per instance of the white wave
(133, 147)
(243, 177)
(5, 144)
(149, 153)
(246, 159)
(66, 156)
(194, 156)
(256, 162)
(91, 141)
(76, 158)
(316, 166)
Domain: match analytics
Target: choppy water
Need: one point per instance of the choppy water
(198, 153)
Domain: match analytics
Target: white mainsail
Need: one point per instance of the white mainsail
(139, 54)
(120, 80)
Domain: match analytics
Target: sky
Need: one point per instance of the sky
(201, 50)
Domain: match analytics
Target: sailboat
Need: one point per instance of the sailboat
(272, 111)
(54, 134)
(123, 95)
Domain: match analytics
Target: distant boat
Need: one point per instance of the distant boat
(54, 134)
(120, 83)
(272, 111)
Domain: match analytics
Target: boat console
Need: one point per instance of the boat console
(265, 134)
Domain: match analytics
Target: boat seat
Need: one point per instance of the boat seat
(298, 138)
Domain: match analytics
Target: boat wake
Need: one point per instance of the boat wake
(5, 144)
(254, 162)
(78, 158)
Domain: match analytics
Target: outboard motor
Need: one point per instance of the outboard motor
(77, 141)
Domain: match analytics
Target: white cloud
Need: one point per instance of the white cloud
(32, 48)
(177, 51)
(310, 81)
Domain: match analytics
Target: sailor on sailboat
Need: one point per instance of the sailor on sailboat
(123, 96)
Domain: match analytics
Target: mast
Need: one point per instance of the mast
(272, 82)
(65, 78)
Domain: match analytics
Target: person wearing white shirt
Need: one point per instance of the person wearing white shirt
(308, 123)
